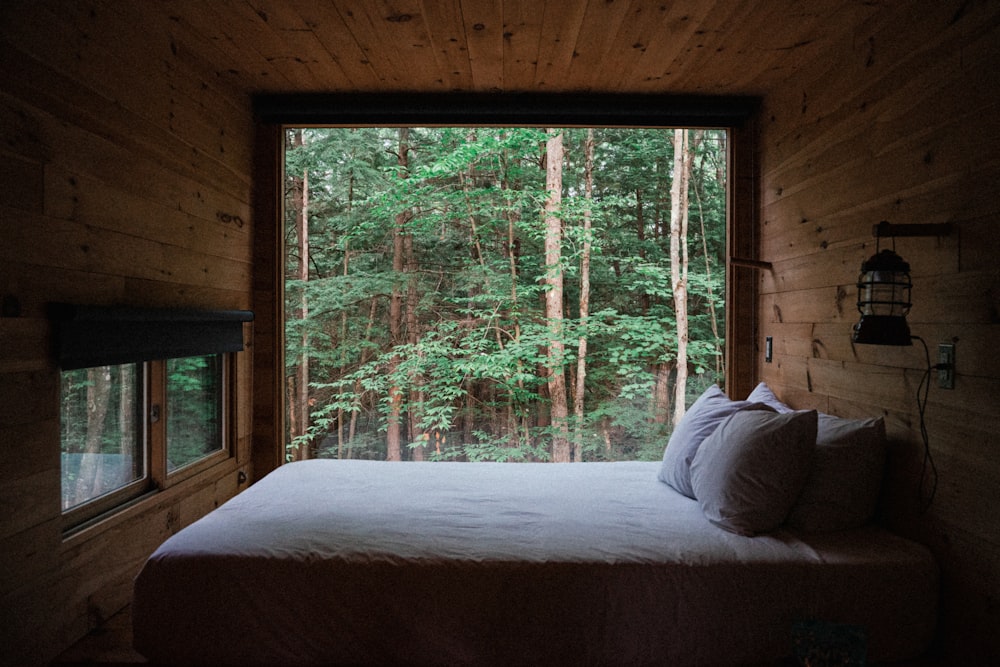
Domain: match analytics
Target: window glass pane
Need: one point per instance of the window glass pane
(194, 409)
(520, 326)
(101, 440)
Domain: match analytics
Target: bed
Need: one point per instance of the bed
(362, 562)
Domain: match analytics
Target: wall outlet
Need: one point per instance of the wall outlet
(946, 358)
(768, 349)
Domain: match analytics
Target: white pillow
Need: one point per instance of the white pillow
(842, 489)
(703, 417)
(763, 394)
(748, 474)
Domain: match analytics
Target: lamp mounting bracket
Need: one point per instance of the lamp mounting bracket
(886, 230)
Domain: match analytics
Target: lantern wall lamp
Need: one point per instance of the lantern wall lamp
(884, 300)
(884, 287)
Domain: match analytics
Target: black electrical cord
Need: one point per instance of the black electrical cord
(928, 471)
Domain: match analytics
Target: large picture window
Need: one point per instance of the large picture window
(501, 293)
(404, 409)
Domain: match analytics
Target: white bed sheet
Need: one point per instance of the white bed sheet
(350, 562)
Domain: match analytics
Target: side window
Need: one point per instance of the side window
(131, 428)
(103, 444)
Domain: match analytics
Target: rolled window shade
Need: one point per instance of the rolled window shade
(89, 336)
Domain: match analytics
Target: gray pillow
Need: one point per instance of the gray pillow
(703, 417)
(843, 485)
(763, 394)
(748, 474)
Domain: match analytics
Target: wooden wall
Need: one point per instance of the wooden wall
(125, 174)
(900, 121)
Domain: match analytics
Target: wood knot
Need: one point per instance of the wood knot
(841, 295)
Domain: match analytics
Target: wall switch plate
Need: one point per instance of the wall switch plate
(768, 349)
(946, 357)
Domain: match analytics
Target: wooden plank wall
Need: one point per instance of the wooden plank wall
(899, 122)
(125, 172)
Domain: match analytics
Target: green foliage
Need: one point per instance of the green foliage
(194, 409)
(472, 375)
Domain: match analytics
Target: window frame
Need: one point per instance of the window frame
(163, 477)
(275, 113)
(150, 392)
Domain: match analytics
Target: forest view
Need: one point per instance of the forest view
(500, 294)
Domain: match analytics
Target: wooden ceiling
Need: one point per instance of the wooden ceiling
(732, 47)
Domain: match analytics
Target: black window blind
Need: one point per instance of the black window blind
(89, 336)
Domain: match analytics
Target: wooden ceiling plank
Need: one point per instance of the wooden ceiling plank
(445, 25)
(417, 33)
(634, 33)
(562, 23)
(522, 32)
(720, 52)
(391, 35)
(210, 25)
(249, 25)
(722, 49)
(336, 39)
(301, 43)
(684, 46)
(366, 43)
(649, 46)
(483, 21)
(757, 47)
(601, 22)
(663, 41)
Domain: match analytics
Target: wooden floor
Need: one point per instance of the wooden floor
(110, 644)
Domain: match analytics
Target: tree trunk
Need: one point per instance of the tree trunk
(394, 450)
(416, 433)
(720, 358)
(678, 263)
(661, 394)
(343, 316)
(640, 234)
(554, 298)
(510, 214)
(302, 376)
(343, 338)
(581, 352)
(127, 418)
(88, 479)
(298, 382)
(356, 400)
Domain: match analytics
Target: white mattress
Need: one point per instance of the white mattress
(326, 562)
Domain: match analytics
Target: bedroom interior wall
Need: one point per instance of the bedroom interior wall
(124, 167)
(899, 122)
